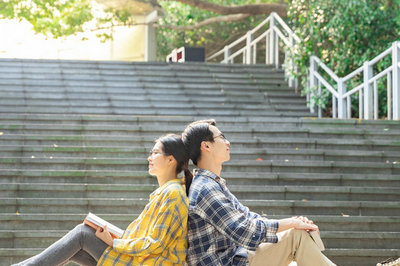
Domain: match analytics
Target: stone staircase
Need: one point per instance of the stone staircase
(74, 137)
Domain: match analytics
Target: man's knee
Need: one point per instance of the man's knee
(297, 235)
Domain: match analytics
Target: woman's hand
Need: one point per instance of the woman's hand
(104, 235)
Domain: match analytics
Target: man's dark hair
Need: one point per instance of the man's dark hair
(194, 134)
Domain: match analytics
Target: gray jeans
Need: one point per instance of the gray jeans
(80, 245)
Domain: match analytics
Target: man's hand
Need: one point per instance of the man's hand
(104, 235)
(300, 223)
(303, 223)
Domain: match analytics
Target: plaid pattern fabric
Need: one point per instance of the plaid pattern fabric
(158, 235)
(221, 229)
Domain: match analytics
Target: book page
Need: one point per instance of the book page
(94, 221)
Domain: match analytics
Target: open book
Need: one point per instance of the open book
(95, 221)
(317, 239)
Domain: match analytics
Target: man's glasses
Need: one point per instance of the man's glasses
(221, 136)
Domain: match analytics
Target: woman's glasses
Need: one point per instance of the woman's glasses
(154, 152)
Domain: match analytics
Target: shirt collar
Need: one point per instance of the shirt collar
(209, 174)
(160, 189)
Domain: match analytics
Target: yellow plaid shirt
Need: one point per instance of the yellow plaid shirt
(158, 235)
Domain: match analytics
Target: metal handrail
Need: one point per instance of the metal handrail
(272, 36)
(341, 105)
(368, 89)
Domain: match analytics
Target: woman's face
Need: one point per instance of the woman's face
(158, 162)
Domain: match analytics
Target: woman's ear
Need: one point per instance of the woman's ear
(171, 159)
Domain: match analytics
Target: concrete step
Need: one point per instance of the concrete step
(149, 111)
(134, 98)
(236, 153)
(223, 121)
(360, 257)
(233, 178)
(308, 208)
(66, 221)
(362, 240)
(250, 166)
(229, 131)
(345, 257)
(288, 192)
(268, 207)
(331, 239)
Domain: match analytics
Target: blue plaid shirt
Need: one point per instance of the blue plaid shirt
(220, 229)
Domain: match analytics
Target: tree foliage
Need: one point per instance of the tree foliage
(58, 18)
(213, 36)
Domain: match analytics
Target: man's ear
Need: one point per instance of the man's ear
(204, 146)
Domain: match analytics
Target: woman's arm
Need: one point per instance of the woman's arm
(169, 222)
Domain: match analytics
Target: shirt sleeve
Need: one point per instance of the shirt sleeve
(168, 224)
(245, 229)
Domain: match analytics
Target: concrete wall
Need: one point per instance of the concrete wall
(18, 40)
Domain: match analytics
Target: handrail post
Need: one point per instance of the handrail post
(368, 101)
(313, 83)
(249, 50)
(272, 40)
(290, 63)
(342, 108)
(227, 53)
(396, 80)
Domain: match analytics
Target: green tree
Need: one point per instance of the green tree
(186, 22)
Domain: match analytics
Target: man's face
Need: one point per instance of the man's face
(220, 147)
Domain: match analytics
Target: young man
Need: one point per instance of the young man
(221, 231)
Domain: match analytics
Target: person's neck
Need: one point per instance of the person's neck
(165, 178)
(210, 166)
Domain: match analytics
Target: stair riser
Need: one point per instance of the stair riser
(127, 141)
(95, 207)
(361, 243)
(45, 241)
(355, 260)
(301, 211)
(101, 164)
(85, 152)
(83, 192)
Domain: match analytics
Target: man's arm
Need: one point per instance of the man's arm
(215, 208)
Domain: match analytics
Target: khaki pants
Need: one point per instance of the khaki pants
(293, 245)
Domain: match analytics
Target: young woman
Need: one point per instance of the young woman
(156, 237)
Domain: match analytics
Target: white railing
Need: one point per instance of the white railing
(277, 34)
(367, 90)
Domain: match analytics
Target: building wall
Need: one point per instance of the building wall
(18, 40)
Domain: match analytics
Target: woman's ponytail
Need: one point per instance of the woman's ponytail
(188, 180)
